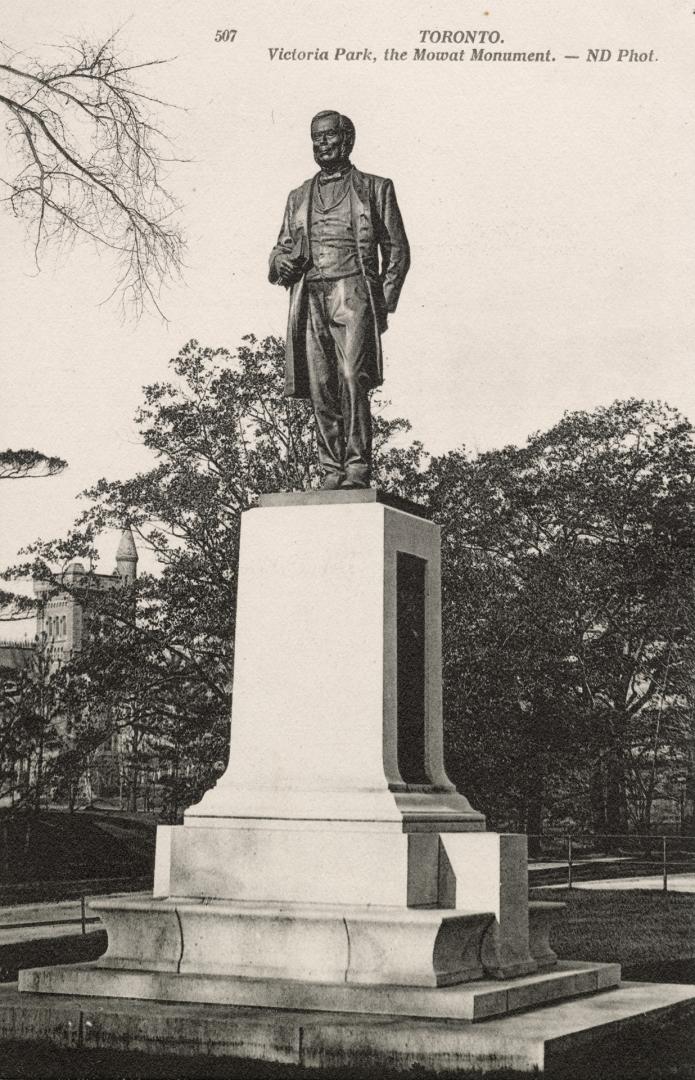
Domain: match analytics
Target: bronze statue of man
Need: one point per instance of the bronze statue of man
(343, 253)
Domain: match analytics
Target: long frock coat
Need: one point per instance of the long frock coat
(378, 227)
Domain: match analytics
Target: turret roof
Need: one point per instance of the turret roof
(126, 548)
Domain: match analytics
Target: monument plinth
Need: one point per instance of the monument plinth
(336, 734)
(334, 871)
(334, 848)
(337, 707)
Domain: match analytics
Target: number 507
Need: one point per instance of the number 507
(225, 35)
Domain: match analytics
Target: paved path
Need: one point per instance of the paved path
(562, 863)
(676, 883)
(50, 910)
(59, 918)
(45, 933)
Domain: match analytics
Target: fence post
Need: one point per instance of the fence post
(569, 862)
(82, 914)
(664, 862)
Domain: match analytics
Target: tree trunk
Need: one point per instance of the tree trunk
(534, 818)
(27, 839)
(133, 792)
(5, 852)
(645, 824)
(134, 777)
(597, 798)
(616, 800)
(39, 776)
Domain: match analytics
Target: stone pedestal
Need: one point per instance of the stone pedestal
(334, 850)
(331, 590)
(333, 898)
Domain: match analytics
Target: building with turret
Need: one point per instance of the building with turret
(61, 616)
(62, 630)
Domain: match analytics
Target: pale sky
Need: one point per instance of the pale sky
(549, 207)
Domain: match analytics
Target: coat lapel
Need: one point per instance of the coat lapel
(303, 212)
(360, 190)
(360, 210)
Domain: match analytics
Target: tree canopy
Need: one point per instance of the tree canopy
(25, 464)
(573, 559)
(567, 592)
(221, 432)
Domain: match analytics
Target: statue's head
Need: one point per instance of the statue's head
(333, 137)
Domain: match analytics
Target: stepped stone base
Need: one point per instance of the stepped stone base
(556, 1035)
(469, 1001)
(315, 943)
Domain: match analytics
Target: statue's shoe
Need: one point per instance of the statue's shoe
(333, 481)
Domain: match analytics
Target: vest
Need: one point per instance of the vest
(333, 245)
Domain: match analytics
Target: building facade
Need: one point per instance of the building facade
(61, 615)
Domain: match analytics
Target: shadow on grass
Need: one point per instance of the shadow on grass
(73, 949)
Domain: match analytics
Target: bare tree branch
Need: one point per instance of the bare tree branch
(90, 159)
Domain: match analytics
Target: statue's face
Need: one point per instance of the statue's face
(330, 146)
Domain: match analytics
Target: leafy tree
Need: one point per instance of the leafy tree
(89, 158)
(24, 465)
(30, 710)
(221, 432)
(568, 600)
(27, 464)
(567, 569)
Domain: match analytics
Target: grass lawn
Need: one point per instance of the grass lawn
(40, 855)
(652, 934)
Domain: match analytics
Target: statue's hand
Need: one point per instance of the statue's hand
(285, 268)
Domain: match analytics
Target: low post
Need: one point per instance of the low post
(569, 862)
(664, 863)
(83, 914)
